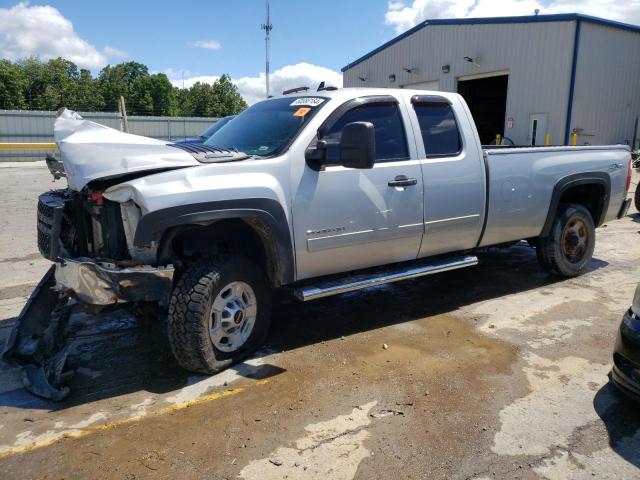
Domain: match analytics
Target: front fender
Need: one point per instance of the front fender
(152, 226)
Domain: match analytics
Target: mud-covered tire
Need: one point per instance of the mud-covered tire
(191, 307)
(568, 248)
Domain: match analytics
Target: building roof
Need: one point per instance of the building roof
(562, 17)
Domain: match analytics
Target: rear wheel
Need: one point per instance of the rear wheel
(219, 313)
(568, 248)
(636, 198)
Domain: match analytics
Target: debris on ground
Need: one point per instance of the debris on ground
(385, 413)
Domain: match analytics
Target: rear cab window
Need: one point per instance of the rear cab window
(438, 126)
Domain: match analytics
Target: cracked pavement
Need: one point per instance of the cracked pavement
(497, 371)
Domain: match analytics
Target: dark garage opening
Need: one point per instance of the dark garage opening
(487, 100)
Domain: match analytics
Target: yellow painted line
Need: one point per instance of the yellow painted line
(82, 432)
(28, 146)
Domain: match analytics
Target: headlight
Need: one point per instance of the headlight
(635, 306)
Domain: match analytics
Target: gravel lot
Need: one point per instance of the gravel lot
(497, 371)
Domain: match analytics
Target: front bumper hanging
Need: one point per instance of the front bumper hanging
(38, 339)
(100, 283)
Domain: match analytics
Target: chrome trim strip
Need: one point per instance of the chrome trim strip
(360, 232)
(453, 219)
(313, 292)
(341, 240)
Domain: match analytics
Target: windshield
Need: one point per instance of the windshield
(216, 126)
(268, 127)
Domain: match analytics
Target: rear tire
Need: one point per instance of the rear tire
(636, 198)
(219, 313)
(568, 248)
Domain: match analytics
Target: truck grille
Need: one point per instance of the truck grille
(50, 210)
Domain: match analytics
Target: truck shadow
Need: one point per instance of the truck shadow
(500, 272)
(118, 355)
(621, 418)
(635, 217)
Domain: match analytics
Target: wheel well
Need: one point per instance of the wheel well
(186, 244)
(592, 196)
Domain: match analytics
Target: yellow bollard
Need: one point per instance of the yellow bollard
(574, 139)
(547, 139)
(498, 139)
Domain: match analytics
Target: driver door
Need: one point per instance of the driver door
(347, 219)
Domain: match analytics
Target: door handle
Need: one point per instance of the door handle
(402, 181)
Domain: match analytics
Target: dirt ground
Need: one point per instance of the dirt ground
(496, 371)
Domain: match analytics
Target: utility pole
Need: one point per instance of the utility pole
(267, 27)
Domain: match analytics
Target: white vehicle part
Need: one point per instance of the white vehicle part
(90, 151)
(130, 217)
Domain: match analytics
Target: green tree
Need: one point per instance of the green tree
(12, 86)
(230, 102)
(163, 95)
(88, 96)
(139, 101)
(203, 101)
(183, 101)
(118, 80)
(33, 71)
(50, 85)
(33, 84)
(216, 100)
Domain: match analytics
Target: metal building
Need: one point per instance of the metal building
(523, 77)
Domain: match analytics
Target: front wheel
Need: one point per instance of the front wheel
(568, 248)
(219, 313)
(636, 198)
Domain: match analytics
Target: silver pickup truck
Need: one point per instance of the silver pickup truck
(318, 194)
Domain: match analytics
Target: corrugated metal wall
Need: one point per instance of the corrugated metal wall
(36, 126)
(537, 56)
(607, 88)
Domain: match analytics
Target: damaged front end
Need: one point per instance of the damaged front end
(83, 234)
(89, 239)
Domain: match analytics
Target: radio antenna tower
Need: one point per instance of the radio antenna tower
(267, 27)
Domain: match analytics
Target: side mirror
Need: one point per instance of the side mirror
(357, 148)
(358, 145)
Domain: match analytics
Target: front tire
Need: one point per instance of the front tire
(219, 313)
(636, 198)
(568, 248)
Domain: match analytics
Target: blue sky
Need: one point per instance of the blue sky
(311, 40)
(161, 34)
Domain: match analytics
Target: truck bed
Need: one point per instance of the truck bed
(521, 181)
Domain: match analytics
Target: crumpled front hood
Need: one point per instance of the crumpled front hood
(90, 151)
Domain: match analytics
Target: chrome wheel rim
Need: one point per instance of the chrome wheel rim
(575, 239)
(233, 316)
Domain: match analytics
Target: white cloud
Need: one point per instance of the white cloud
(402, 16)
(44, 32)
(253, 89)
(115, 52)
(209, 44)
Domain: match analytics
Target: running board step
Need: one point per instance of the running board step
(358, 282)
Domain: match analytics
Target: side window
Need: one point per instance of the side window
(439, 130)
(391, 141)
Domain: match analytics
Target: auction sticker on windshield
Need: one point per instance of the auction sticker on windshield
(307, 102)
(301, 112)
